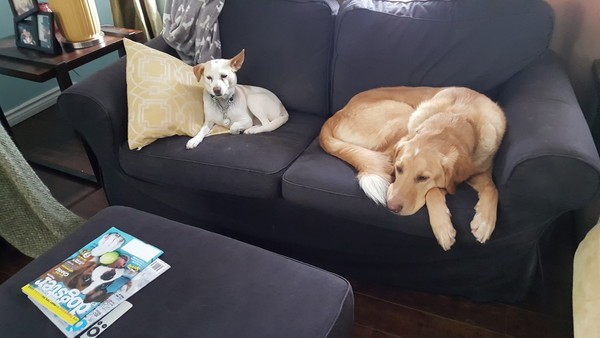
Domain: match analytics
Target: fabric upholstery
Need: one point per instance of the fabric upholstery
(236, 183)
(246, 165)
(163, 96)
(471, 43)
(288, 47)
(320, 181)
(216, 287)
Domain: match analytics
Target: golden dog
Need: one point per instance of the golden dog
(412, 145)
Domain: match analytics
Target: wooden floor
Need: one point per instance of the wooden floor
(380, 311)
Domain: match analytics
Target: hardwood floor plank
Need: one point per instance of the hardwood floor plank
(361, 331)
(90, 205)
(47, 137)
(491, 316)
(65, 189)
(406, 322)
(12, 260)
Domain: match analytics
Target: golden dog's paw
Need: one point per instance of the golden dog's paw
(445, 234)
(482, 226)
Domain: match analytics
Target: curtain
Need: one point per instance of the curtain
(137, 14)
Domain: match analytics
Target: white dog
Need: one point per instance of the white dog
(240, 108)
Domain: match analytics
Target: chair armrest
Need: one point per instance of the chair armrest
(547, 159)
(97, 108)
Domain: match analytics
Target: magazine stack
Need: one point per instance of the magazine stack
(95, 281)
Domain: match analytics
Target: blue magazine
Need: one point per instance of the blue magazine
(76, 286)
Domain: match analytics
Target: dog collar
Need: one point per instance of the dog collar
(224, 108)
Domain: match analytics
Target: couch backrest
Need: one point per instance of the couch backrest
(473, 43)
(288, 48)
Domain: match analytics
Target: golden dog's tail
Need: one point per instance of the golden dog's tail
(374, 168)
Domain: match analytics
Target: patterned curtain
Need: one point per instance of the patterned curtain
(137, 14)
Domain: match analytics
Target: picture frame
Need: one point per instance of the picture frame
(47, 41)
(26, 33)
(23, 8)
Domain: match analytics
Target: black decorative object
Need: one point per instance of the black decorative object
(34, 28)
(23, 8)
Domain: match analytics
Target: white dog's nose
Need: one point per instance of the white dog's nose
(217, 91)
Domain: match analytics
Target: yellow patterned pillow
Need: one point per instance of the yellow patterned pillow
(163, 96)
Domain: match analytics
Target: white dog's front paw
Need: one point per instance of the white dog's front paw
(483, 225)
(193, 143)
(252, 130)
(235, 129)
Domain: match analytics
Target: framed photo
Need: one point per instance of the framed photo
(23, 8)
(26, 34)
(47, 41)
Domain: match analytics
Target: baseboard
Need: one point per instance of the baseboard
(32, 106)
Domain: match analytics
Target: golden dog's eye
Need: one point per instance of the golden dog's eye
(399, 170)
(224, 76)
(421, 178)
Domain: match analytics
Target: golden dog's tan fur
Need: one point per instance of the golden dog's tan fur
(412, 145)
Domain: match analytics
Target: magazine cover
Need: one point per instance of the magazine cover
(142, 279)
(76, 286)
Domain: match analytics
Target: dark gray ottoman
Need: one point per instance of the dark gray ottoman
(216, 287)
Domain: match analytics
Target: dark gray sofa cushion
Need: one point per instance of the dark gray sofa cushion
(216, 287)
(322, 182)
(288, 48)
(472, 43)
(243, 165)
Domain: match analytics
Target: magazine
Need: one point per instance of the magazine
(76, 286)
(155, 269)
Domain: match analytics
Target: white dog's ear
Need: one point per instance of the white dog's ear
(198, 71)
(237, 61)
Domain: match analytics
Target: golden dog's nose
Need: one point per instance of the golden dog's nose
(394, 207)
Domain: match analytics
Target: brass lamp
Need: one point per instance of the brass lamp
(78, 21)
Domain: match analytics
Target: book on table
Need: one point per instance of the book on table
(76, 286)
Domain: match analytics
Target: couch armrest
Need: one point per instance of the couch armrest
(548, 159)
(97, 108)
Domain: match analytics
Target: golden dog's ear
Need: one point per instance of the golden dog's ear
(237, 61)
(198, 71)
(448, 163)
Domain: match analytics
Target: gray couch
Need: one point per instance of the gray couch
(282, 191)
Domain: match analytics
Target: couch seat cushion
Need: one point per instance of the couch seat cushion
(320, 181)
(244, 165)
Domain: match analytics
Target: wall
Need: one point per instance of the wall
(577, 40)
(20, 98)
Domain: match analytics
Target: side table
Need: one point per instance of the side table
(39, 67)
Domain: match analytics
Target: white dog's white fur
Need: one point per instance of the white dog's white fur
(240, 108)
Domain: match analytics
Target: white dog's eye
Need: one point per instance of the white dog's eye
(224, 76)
(209, 78)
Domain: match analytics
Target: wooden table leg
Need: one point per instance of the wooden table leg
(62, 77)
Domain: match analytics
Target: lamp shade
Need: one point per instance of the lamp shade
(77, 19)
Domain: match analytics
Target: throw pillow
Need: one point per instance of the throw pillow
(163, 97)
